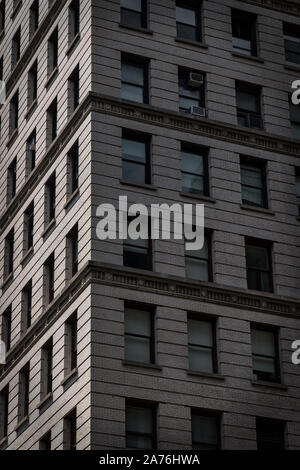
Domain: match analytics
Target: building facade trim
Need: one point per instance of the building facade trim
(147, 114)
(288, 7)
(115, 276)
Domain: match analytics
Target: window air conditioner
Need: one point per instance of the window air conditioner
(198, 111)
(196, 80)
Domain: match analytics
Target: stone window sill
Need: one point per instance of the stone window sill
(7, 280)
(198, 196)
(262, 210)
(261, 383)
(138, 185)
(73, 44)
(49, 227)
(31, 108)
(71, 198)
(292, 67)
(12, 137)
(144, 365)
(45, 401)
(27, 255)
(71, 375)
(16, 10)
(192, 43)
(51, 77)
(206, 375)
(23, 422)
(254, 58)
(139, 30)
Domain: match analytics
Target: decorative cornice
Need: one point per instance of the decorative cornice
(34, 44)
(118, 276)
(284, 6)
(149, 115)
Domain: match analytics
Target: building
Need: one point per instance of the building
(114, 344)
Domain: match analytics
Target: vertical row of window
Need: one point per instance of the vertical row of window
(140, 340)
(46, 381)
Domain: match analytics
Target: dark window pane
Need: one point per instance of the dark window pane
(139, 427)
(204, 432)
(270, 434)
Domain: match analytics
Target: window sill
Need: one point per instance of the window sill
(23, 422)
(48, 228)
(31, 108)
(71, 198)
(71, 375)
(262, 210)
(139, 30)
(3, 442)
(73, 44)
(261, 383)
(206, 375)
(12, 137)
(198, 196)
(144, 365)
(27, 255)
(192, 43)
(7, 280)
(51, 77)
(293, 67)
(45, 401)
(254, 58)
(138, 185)
(16, 10)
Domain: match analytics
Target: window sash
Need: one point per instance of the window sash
(140, 435)
(208, 438)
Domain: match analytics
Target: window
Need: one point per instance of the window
(46, 369)
(74, 20)
(70, 427)
(50, 197)
(140, 425)
(188, 20)
(295, 120)
(291, 34)
(52, 122)
(139, 334)
(71, 344)
(194, 170)
(73, 169)
(4, 394)
(14, 113)
(134, 13)
(134, 80)
(270, 434)
(136, 158)
(24, 383)
(49, 280)
(244, 32)
(9, 254)
(1, 68)
(26, 315)
(137, 253)
(248, 105)
(265, 355)
(205, 431)
(28, 227)
(45, 442)
(72, 252)
(253, 179)
(258, 262)
(32, 84)
(202, 345)
(298, 189)
(6, 328)
(30, 153)
(16, 48)
(33, 18)
(198, 262)
(53, 52)
(2, 15)
(73, 88)
(191, 92)
(11, 180)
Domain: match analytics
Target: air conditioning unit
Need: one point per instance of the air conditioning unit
(196, 80)
(198, 111)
